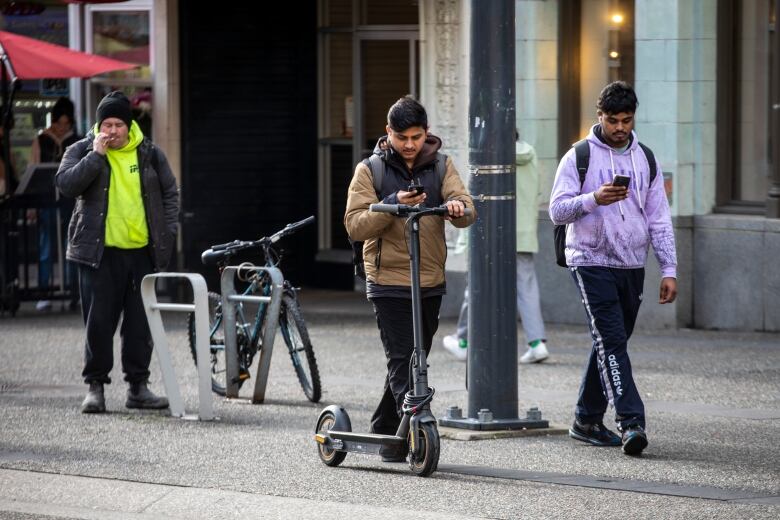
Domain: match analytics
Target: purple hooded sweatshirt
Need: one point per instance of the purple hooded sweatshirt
(619, 234)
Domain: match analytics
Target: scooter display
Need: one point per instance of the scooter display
(417, 432)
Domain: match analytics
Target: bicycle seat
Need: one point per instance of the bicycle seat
(211, 257)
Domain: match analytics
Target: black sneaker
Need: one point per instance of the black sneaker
(634, 440)
(595, 434)
(393, 454)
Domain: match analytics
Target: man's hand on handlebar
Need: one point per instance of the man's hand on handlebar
(456, 208)
(410, 198)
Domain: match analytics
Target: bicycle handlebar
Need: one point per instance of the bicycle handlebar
(217, 252)
(404, 209)
(290, 228)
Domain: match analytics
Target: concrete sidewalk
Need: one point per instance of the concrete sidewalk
(713, 401)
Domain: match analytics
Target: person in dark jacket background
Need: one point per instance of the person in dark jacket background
(48, 147)
(123, 227)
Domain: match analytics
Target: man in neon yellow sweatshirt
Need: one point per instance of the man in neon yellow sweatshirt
(123, 227)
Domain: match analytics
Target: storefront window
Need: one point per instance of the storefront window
(743, 105)
(34, 99)
(753, 108)
(123, 36)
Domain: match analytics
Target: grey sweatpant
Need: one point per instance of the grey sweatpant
(529, 308)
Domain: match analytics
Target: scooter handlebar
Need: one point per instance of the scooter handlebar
(385, 208)
(403, 209)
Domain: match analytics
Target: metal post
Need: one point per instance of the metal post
(492, 361)
(229, 300)
(773, 195)
(153, 316)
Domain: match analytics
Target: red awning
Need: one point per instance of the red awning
(36, 59)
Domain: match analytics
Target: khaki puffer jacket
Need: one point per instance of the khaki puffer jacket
(385, 241)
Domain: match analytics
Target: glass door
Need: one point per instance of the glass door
(387, 69)
(122, 32)
(368, 57)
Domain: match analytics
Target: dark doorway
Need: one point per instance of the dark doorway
(249, 128)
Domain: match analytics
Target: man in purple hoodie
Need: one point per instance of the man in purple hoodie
(608, 230)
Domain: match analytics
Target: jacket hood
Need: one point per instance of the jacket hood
(135, 137)
(595, 137)
(426, 156)
(524, 153)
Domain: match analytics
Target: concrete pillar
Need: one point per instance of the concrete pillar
(444, 91)
(675, 82)
(536, 83)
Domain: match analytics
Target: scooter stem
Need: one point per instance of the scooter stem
(419, 362)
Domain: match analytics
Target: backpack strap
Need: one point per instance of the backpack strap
(378, 166)
(441, 167)
(650, 161)
(582, 153)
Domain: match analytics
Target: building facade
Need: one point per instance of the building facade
(264, 113)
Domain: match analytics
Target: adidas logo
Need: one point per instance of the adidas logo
(134, 168)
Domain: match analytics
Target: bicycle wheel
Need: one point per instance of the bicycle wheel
(301, 352)
(216, 344)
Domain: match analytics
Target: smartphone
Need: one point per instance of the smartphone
(621, 180)
(416, 188)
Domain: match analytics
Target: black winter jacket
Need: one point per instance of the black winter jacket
(85, 175)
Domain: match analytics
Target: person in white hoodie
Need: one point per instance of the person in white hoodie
(528, 302)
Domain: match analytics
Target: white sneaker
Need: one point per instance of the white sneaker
(43, 305)
(453, 345)
(535, 354)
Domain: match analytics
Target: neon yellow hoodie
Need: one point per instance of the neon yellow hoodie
(126, 219)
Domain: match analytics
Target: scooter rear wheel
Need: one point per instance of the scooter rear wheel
(328, 455)
(428, 460)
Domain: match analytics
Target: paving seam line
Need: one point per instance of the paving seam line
(615, 484)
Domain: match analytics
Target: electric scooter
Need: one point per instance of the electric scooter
(417, 432)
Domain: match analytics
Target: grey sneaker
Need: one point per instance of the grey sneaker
(95, 401)
(139, 396)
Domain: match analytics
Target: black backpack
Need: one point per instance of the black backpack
(378, 167)
(582, 152)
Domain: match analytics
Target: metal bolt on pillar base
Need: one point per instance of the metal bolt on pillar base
(484, 415)
(454, 412)
(533, 414)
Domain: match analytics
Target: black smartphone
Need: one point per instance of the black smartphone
(621, 180)
(416, 188)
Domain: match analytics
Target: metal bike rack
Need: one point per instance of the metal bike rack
(200, 308)
(229, 300)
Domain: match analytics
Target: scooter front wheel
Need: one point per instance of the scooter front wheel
(329, 456)
(428, 460)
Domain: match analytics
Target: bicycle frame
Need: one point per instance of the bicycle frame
(266, 287)
(252, 331)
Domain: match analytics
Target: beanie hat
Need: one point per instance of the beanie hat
(115, 104)
(63, 107)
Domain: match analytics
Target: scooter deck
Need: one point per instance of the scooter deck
(366, 443)
(370, 438)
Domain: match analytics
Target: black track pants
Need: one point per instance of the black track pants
(611, 298)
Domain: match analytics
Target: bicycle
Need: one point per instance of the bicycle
(249, 334)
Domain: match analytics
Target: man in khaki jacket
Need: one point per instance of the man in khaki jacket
(410, 155)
